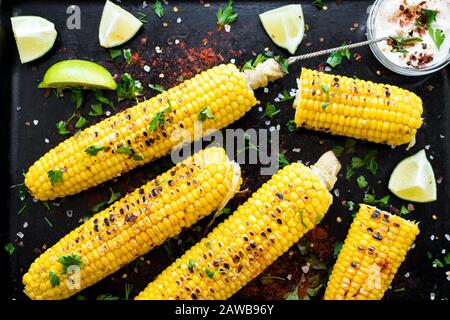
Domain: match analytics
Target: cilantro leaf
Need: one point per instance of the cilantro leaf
(335, 58)
(157, 87)
(204, 114)
(437, 35)
(291, 126)
(338, 150)
(286, 96)
(404, 210)
(115, 53)
(447, 258)
(107, 296)
(438, 263)
(22, 190)
(81, 122)
(319, 4)
(93, 150)
(357, 163)
(362, 182)
(426, 17)
(101, 98)
(97, 110)
(62, 127)
(271, 111)
(54, 279)
(125, 149)
(142, 17)
(113, 198)
(384, 202)
(210, 273)
(226, 15)
(55, 176)
(127, 55)
(76, 97)
(128, 88)
(137, 157)
(9, 247)
(158, 9)
(68, 260)
(282, 161)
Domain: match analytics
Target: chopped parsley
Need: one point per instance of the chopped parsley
(291, 126)
(226, 15)
(158, 9)
(357, 163)
(68, 260)
(438, 263)
(210, 273)
(101, 98)
(158, 119)
(127, 55)
(335, 58)
(93, 150)
(115, 53)
(81, 122)
(319, 4)
(282, 62)
(9, 247)
(62, 125)
(191, 264)
(77, 97)
(282, 161)
(338, 150)
(54, 279)
(286, 96)
(157, 87)
(271, 111)
(55, 176)
(426, 17)
(137, 157)
(96, 110)
(399, 44)
(128, 88)
(251, 64)
(362, 182)
(204, 114)
(125, 149)
(404, 210)
(324, 89)
(370, 199)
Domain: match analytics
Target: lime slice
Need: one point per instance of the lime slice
(413, 179)
(117, 26)
(77, 74)
(285, 26)
(34, 36)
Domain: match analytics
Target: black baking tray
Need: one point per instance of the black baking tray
(23, 142)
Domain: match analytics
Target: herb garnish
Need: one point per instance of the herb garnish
(127, 55)
(318, 4)
(205, 113)
(282, 161)
(97, 110)
(142, 17)
(93, 150)
(157, 87)
(115, 53)
(54, 279)
(81, 122)
(68, 260)
(113, 198)
(55, 176)
(291, 126)
(362, 182)
(335, 58)
(158, 119)
(125, 149)
(9, 247)
(226, 15)
(158, 9)
(128, 88)
(76, 97)
(271, 111)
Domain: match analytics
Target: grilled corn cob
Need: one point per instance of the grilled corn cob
(376, 245)
(263, 228)
(135, 224)
(359, 109)
(140, 134)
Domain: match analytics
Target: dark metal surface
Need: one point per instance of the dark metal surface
(23, 142)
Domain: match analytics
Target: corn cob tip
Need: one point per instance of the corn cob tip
(327, 169)
(263, 73)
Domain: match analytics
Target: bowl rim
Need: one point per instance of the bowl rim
(407, 71)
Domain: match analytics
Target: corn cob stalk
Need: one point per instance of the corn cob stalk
(263, 228)
(140, 134)
(359, 109)
(376, 245)
(135, 224)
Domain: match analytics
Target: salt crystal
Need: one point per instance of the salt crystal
(177, 41)
(407, 275)
(272, 129)
(233, 61)
(175, 9)
(276, 99)
(46, 140)
(441, 136)
(179, 20)
(206, 5)
(146, 68)
(227, 28)
(158, 50)
(413, 246)
(35, 200)
(179, 241)
(431, 157)
(260, 109)
(327, 69)
(443, 251)
(289, 276)
(144, 4)
(447, 236)
(18, 109)
(432, 237)
(427, 147)
(336, 192)
(266, 90)
(432, 296)
(69, 213)
(296, 150)
(35, 122)
(305, 269)
(20, 234)
(448, 278)
(267, 123)
(108, 113)
(25, 225)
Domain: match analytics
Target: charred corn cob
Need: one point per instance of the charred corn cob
(376, 245)
(134, 225)
(263, 228)
(355, 108)
(141, 134)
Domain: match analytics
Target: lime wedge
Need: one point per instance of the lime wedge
(117, 26)
(285, 26)
(78, 74)
(34, 36)
(413, 179)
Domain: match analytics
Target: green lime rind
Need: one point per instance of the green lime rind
(78, 74)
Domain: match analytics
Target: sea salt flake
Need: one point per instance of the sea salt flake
(327, 69)
(305, 269)
(35, 122)
(441, 136)
(144, 4)
(427, 147)
(447, 236)
(179, 241)
(108, 113)
(227, 28)
(432, 237)
(69, 213)
(25, 225)
(267, 123)
(46, 140)
(336, 192)
(158, 50)
(431, 157)
(407, 275)
(443, 251)
(20, 234)
(266, 90)
(233, 61)
(296, 150)
(432, 296)
(260, 109)
(413, 246)
(276, 99)
(18, 108)
(289, 276)
(177, 41)
(278, 127)
(179, 20)
(146, 68)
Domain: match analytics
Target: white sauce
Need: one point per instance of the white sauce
(388, 23)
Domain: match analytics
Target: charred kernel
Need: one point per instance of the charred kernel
(245, 237)
(395, 224)
(354, 264)
(141, 191)
(377, 236)
(253, 244)
(108, 232)
(154, 193)
(106, 222)
(251, 233)
(369, 229)
(170, 183)
(279, 195)
(96, 228)
(111, 217)
(239, 268)
(77, 240)
(269, 230)
(279, 221)
(248, 248)
(95, 221)
(215, 263)
(360, 248)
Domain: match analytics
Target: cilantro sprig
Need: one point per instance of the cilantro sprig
(335, 58)
(226, 15)
(158, 9)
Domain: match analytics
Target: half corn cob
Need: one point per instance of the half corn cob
(135, 224)
(142, 133)
(292, 202)
(376, 245)
(355, 108)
